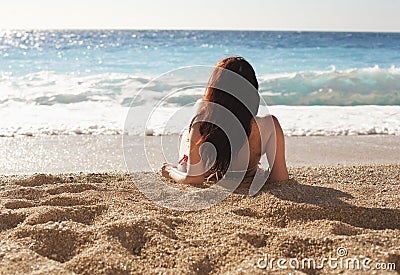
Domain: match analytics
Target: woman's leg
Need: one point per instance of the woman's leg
(276, 154)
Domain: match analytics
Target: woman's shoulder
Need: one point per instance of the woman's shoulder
(265, 120)
(264, 117)
(266, 124)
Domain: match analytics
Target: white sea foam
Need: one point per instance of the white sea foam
(92, 118)
(49, 103)
(338, 120)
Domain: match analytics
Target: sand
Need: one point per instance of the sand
(99, 223)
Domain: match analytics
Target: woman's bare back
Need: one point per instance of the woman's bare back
(248, 158)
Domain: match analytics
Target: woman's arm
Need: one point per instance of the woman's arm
(275, 151)
(195, 169)
(170, 171)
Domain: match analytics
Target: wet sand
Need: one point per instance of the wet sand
(65, 154)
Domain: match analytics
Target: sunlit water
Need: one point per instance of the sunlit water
(83, 82)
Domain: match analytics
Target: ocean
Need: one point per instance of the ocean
(73, 82)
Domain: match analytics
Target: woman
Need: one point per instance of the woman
(226, 135)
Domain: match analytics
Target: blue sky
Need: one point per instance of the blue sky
(337, 15)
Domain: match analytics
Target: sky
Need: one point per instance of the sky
(298, 15)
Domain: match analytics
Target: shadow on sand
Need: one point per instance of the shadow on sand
(317, 203)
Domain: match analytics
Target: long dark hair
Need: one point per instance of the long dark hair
(233, 86)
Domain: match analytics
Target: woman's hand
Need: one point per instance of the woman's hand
(166, 169)
(171, 172)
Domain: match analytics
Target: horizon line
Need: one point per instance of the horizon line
(200, 29)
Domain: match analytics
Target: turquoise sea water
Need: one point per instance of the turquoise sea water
(294, 68)
(82, 82)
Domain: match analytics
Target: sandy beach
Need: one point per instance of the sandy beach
(94, 97)
(100, 223)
